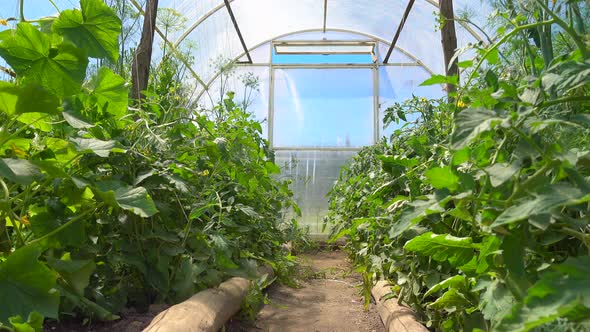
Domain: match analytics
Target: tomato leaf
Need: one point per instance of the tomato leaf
(452, 300)
(555, 196)
(561, 292)
(444, 247)
(442, 177)
(458, 281)
(472, 122)
(440, 79)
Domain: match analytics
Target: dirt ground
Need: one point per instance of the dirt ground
(130, 321)
(329, 300)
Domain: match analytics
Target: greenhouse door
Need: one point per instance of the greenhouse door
(321, 114)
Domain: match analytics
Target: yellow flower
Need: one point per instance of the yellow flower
(25, 221)
(204, 173)
(3, 22)
(19, 152)
(461, 104)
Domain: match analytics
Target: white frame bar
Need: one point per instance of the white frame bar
(375, 38)
(320, 43)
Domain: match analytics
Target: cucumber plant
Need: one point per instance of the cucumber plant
(103, 206)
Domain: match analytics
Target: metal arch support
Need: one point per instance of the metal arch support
(222, 5)
(406, 53)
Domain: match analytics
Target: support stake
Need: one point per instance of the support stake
(399, 30)
(233, 19)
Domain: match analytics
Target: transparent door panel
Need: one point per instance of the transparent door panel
(328, 107)
(313, 174)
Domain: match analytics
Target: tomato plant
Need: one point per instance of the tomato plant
(478, 211)
(104, 206)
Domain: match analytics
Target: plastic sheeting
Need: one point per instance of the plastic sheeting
(313, 174)
(264, 20)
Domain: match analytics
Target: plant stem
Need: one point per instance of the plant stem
(539, 173)
(20, 130)
(55, 6)
(5, 189)
(17, 228)
(584, 238)
(579, 42)
(565, 100)
(22, 10)
(497, 44)
(71, 221)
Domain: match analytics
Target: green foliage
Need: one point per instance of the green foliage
(102, 206)
(94, 28)
(36, 60)
(29, 289)
(478, 211)
(457, 251)
(562, 292)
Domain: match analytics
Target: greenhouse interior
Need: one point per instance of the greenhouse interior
(282, 165)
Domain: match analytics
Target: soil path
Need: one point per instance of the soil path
(329, 300)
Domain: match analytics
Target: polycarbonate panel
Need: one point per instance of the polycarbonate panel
(423, 40)
(397, 84)
(379, 18)
(313, 174)
(421, 35)
(477, 11)
(191, 10)
(396, 55)
(260, 54)
(215, 43)
(323, 107)
(261, 20)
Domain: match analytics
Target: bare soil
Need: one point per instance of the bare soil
(131, 321)
(329, 300)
